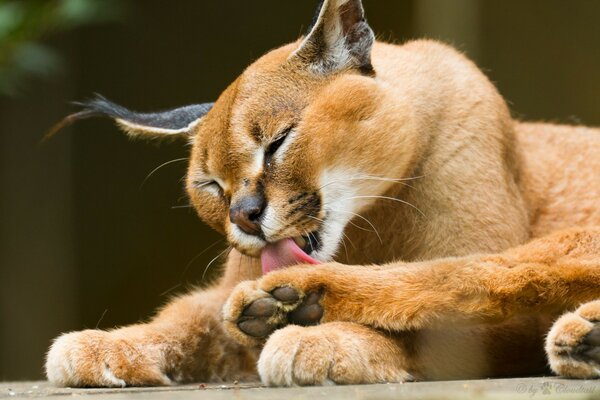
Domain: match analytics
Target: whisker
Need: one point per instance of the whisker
(188, 265)
(286, 224)
(169, 290)
(384, 179)
(159, 167)
(364, 219)
(372, 177)
(309, 241)
(316, 218)
(184, 206)
(228, 249)
(347, 237)
(343, 233)
(345, 248)
(384, 198)
(101, 318)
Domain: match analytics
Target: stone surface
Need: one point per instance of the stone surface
(520, 388)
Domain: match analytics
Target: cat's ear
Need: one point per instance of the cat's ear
(175, 123)
(339, 39)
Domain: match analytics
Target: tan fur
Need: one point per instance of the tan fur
(501, 236)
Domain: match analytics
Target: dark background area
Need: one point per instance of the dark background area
(86, 243)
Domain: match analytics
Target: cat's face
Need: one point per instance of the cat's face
(286, 153)
(300, 143)
(295, 148)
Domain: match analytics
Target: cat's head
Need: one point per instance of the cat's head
(295, 147)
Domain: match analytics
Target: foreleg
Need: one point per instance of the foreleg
(545, 276)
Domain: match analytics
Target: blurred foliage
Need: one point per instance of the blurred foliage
(25, 23)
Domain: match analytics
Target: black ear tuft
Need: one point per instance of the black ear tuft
(315, 17)
(339, 39)
(177, 122)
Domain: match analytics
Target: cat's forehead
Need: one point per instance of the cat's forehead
(265, 101)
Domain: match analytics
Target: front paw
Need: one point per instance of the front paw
(257, 308)
(95, 358)
(332, 353)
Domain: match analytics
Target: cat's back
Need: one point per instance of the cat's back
(560, 175)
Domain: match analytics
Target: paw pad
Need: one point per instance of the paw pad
(284, 306)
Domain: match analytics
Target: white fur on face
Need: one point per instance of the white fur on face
(282, 150)
(212, 189)
(258, 162)
(270, 222)
(211, 185)
(337, 200)
(248, 241)
(344, 194)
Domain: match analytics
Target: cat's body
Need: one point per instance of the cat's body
(406, 154)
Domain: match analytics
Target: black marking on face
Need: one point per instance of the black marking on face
(314, 241)
(298, 197)
(299, 222)
(260, 189)
(256, 133)
(310, 206)
(313, 206)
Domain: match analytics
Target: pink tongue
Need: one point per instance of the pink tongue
(283, 254)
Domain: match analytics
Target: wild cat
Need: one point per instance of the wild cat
(435, 236)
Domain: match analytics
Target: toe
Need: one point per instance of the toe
(309, 312)
(590, 311)
(261, 308)
(593, 337)
(286, 294)
(257, 328)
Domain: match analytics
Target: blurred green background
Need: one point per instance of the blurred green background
(84, 243)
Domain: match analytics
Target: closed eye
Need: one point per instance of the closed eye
(209, 186)
(275, 145)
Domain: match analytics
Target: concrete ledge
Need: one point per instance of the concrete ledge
(518, 388)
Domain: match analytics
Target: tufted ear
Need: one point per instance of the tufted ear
(176, 123)
(339, 39)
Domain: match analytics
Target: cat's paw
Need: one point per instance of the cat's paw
(252, 313)
(573, 344)
(332, 353)
(95, 358)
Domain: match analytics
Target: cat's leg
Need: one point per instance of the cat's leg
(349, 353)
(573, 344)
(546, 275)
(185, 341)
(335, 352)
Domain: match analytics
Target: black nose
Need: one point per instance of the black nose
(246, 213)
